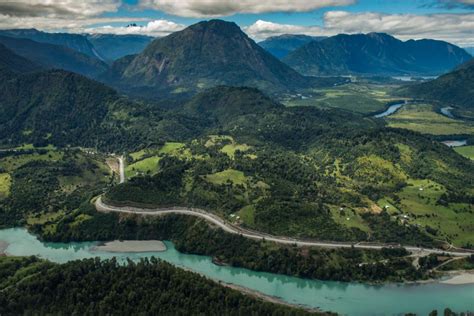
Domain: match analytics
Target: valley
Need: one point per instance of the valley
(300, 174)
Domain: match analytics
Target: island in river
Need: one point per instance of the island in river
(131, 246)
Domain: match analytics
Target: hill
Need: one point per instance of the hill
(76, 42)
(112, 47)
(454, 88)
(11, 61)
(55, 56)
(52, 106)
(375, 53)
(280, 46)
(205, 54)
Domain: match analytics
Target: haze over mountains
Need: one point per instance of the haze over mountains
(55, 56)
(12, 62)
(280, 46)
(76, 42)
(375, 53)
(112, 47)
(456, 87)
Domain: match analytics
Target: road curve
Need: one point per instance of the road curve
(103, 207)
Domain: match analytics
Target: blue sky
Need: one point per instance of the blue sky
(314, 17)
(450, 20)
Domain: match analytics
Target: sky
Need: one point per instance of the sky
(449, 20)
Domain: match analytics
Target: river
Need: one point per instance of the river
(344, 298)
(391, 109)
(446, 111)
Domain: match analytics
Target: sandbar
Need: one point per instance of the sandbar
(131, 246)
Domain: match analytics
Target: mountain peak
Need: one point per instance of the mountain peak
(204, 55)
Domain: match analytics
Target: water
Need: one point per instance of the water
(446, 111)
(455, 143)
(391, 109)
(344, 298)
(416, 78)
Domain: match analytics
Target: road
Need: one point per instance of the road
(214, 219)
(121, 170)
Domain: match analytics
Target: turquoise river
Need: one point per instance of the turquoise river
(340, 297)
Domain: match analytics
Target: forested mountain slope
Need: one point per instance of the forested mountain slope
(205, 54)
(375, 53)
(55, 56)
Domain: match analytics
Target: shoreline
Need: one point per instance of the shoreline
(459, 277)
(130, 246)
(267, 298)
(3, 247)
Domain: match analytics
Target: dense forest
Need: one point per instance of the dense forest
(149, 287)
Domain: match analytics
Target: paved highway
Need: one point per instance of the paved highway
(228, 227)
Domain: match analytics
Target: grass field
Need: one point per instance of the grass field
(360, 98)
(466, 151)
(145, 166)
(422, 118)
(454, 223)
(13, 162)
(235, 176)
(146, 161)
(230, 149)
(348, 218)
(5, 183)
(247, 215)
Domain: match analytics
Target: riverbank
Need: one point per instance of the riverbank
(132, 246)
(459, 277)
(3, 247)
(266, 298)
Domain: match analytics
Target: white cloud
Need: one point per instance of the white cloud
(455, 28)
(153, 28)
(58, 8)
(76, 25)
(216, 8)
(263, 29)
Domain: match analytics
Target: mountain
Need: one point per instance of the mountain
(456, 87)
(55, 56)
(280, 46)
(205, 54)
(375, 53)
(51, 105)
(112, 47)
(76, 42)
(470, 50)
(13, 62)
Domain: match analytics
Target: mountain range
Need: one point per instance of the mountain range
(205, 54)
(77, 42)
(55, 56)
(12, 62)
(454, 88)
(112, 47)
(280, 46)
(375, 53)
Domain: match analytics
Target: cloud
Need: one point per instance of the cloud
(452, 4)
(76, 25)
(263, 29)
(153, 28)
(58, 8)
(217, 8)
(455, 28)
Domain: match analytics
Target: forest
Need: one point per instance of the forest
(92, 286)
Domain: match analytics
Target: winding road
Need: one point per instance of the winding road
(230, 228)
